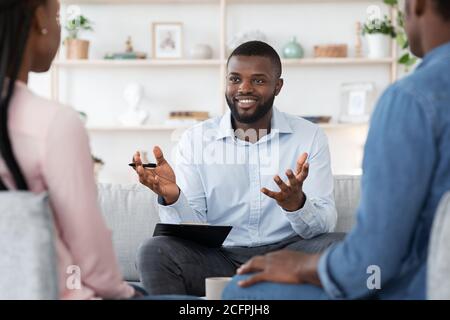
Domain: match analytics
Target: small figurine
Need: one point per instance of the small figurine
(358, 44)
(129, 45)
(129, 53)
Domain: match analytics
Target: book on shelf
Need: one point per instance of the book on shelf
(186, 118)
(189, 115)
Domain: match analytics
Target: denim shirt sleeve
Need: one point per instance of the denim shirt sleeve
(399, 157)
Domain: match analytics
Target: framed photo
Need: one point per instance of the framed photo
(167, 40)
(357, 100)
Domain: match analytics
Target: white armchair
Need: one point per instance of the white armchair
(438, 280)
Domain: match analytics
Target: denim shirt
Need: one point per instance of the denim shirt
(406, 171)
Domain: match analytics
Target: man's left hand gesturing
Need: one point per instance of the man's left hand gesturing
(291, 196)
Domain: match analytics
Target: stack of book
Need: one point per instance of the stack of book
(186, 117)
(331, 51)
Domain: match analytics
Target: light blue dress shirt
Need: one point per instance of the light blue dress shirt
(220, 178)
(406, 172)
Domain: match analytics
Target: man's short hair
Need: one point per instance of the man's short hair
(443, 8)
(259, 49)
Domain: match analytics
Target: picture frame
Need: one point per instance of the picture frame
(167, 40)
(357, 101)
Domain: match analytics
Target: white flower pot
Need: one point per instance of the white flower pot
(379, 46)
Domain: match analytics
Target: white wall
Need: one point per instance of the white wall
(309, 90)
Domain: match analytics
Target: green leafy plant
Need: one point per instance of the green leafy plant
(391, 2)
(77, 24)
(406, 58)
(379, 26)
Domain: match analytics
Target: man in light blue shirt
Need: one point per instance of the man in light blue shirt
(229, 171)
(406, 172)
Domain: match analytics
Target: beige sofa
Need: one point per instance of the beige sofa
(130, 211)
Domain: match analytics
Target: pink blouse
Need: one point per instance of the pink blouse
(52, 148)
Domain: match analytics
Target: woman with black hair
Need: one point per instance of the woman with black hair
(44, 147)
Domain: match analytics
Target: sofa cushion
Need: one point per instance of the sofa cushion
(130, 212)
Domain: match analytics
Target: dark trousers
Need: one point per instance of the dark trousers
(169, 265)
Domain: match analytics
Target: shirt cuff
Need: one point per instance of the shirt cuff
(304, 217)
(174, 209)
(328, 284)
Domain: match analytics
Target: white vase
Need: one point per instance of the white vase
(201, 51)
(379, 46)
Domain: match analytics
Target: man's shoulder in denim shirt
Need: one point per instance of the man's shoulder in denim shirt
(406, 171)
(430, 84)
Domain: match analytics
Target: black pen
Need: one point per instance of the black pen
(145, 165)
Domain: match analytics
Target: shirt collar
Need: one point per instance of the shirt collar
(437, 54)
(279, 124)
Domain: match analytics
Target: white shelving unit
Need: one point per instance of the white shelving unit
(345, 140)
(220, 63)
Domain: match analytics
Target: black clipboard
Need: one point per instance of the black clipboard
(207, 235)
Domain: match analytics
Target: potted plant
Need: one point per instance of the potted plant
(379, 33)
(98, 165)
(77, 48)
(406, 58)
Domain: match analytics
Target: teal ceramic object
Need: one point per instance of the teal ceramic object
(293, 50)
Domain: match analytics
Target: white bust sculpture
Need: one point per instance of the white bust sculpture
(134, 116)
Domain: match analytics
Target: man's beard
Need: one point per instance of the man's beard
(261, 110)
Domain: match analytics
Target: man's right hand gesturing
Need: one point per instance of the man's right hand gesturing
(161, 179)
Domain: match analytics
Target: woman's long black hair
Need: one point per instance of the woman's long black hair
(15, 24)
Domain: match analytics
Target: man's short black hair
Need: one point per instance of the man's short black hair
(259, 49)
(443, 8)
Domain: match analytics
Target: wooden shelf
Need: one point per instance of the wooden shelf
(296, 1)
(173, 128)
(335, 61)
(123, 2)
(126, 2)
(132, 128)
(343, 125)
(214, 62)
(136, 63)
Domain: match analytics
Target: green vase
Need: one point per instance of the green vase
(293, 50)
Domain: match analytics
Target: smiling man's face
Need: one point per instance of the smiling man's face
(252, 85)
